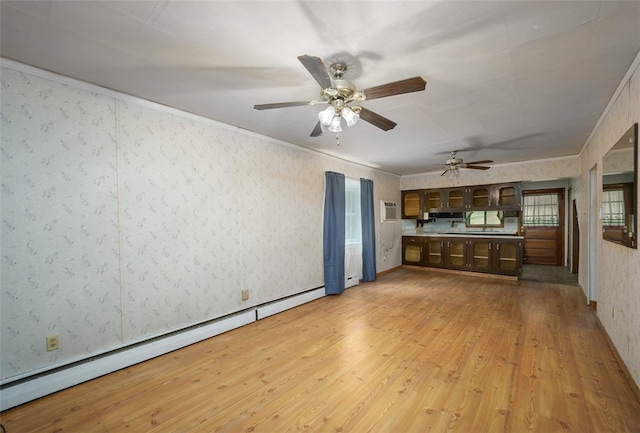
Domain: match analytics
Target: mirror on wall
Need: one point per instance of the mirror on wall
(619, 190)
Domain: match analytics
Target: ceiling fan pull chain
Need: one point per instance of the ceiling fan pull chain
(337, 139)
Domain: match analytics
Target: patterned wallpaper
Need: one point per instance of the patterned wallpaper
(123, 220)
(618, 267)
(59, 239)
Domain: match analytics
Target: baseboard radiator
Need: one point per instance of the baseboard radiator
(352, 265)
(44, 383)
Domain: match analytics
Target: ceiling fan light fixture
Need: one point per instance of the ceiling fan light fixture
(350, 116)
(327, 115)
(335, 125)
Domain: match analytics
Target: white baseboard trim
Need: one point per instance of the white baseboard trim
(285, 304)
(32, 388)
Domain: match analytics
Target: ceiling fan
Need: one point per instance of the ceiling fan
(454, 164)
(338, 94)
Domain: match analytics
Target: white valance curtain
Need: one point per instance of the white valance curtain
(613, 207)
(540, 210)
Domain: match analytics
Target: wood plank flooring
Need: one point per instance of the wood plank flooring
(413, 352)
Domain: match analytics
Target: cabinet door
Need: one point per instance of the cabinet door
(456, 253)
(412, 204)
(507, 257)
(433, 200)
(508, 196)
(454, 199)
(412, 250)
(479, 197)
(434, 252)
(480, 259)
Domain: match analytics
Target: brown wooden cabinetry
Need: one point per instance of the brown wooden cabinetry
(479, 198)
(412, 206)
(444, 199)
(433, 200)
(456, 253)
(507, 256)
(434, 252)
(494, 197)
(480, 255)
(477, 254)
(507, 196)
(412, 250)
(454, 199)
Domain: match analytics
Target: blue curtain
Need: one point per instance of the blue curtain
(368, 230)
(333, 233)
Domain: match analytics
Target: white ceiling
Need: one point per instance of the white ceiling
(506, 80)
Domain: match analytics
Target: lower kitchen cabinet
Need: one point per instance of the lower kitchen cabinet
(434, 252)
(456, 253)
(507, 257)
(489, 255)
(412, 250)
(480, 251)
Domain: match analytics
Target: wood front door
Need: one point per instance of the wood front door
(543, 226)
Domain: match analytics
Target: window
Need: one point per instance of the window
(540, 210)
(490, 218)
(353, 219)
(613, 207)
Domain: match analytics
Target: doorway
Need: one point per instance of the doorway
(543, 226)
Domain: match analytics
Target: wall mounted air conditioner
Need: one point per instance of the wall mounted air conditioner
(388, 212)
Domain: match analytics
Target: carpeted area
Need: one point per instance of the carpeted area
(549, 274)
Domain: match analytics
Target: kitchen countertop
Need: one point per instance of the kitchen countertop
(467, 234)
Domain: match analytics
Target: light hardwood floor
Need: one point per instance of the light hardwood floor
(413, 352)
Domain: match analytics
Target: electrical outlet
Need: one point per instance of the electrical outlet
(53, 342)
(245, 294)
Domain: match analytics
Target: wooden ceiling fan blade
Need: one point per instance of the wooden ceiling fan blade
(317, 68)
(477, 167)
(376, 119)
(281, 105)
(486, 161)
(415, 84)
(317, 131)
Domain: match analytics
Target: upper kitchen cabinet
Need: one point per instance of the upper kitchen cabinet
(454, 199)
(445, 200)
(504, 196)
(508, 196)
(480, 197)
(494, 197)
(412, 205)
(433, 200)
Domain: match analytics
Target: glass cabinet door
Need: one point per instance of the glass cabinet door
(434, 252)
(455, 199)
(508, 257)
(509, 197)
(480, 197)
(412, 250)
(456, 254)
(411, 204)
(433, 199)
(480, 255)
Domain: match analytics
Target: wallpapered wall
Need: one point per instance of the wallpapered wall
(123, 220)
(618, 267)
